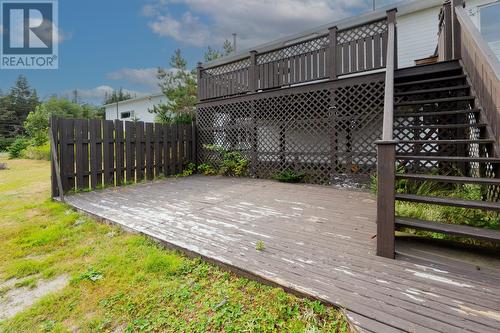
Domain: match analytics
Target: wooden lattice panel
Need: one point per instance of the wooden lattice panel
(294, 50)
(323, 130)
(368, 30)
(227, 68)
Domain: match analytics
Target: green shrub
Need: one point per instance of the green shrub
(188, 170)
(233, 163)
(206, 169)
(289, 176)
(37, 152)
(5, 143)
(17, 147)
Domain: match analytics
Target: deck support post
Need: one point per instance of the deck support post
(199, 69)
(332, 50)
(386, 158)
(252, 72)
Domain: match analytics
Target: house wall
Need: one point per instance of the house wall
(417, 36)
(418, 32)
(139, 107)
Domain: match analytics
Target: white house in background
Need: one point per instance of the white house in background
(136, 108)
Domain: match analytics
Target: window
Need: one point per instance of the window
(489, 18)
(126, 114)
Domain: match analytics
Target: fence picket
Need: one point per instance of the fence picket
(108, 152)
(158, 149)
(95, 153)
(119, 152)
(148, 142)
(139, 151)
(130, 151)
(82, 154)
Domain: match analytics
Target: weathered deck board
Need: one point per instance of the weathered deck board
(319, 242)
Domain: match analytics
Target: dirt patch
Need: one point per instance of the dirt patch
(16, 300)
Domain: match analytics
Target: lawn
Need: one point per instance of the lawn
(91, 277)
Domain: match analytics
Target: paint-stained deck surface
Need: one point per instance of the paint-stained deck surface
(319, 241)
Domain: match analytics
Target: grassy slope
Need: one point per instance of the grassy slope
(138, 286)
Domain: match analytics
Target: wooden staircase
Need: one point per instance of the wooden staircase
(442, 136)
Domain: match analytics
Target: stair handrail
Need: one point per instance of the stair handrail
(483, 69)
(386, 152)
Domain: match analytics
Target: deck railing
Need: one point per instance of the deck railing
(351, 50)
(386, 153)
(483, 69)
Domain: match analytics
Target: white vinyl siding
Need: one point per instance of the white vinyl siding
(417, 36)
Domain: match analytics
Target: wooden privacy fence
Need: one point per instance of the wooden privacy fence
(95, 153)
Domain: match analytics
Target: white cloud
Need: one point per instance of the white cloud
(98, 93)
(142, 76)
(255, 21)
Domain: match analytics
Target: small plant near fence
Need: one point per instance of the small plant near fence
(289, 176)
(233, 163)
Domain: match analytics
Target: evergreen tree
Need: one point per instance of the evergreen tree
(116, 96)
(23, 99)
(179, 86)
(15, 107)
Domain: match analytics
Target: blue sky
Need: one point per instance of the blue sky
(109, 44)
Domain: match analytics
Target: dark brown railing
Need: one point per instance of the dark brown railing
(89, 154)
(483, 69)
(337, 53)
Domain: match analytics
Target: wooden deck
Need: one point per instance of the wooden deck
(319, 241)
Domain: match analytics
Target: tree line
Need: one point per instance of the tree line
(24, 119)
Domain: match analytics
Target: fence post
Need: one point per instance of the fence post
(199, 69)
(391, 18)
(386, 155)
(252, 72)
(332, 61)
(456, 33)
(57, 190)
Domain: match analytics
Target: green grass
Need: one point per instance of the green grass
(445, 214)
(123, 282)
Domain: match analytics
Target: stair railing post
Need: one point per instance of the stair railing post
(456, 33)
(252, 72)
(448, 36)
(386, 155)
(386, 211)
(391, 19)
(332, 48)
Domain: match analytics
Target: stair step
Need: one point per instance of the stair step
(448, 158)
(435, 100)
(435, 113)
(457, 141)
(452, 229)
(485, 205)
(450, 179)
(425, 91)
(442, 68)
(446, 78)
(443, 126)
